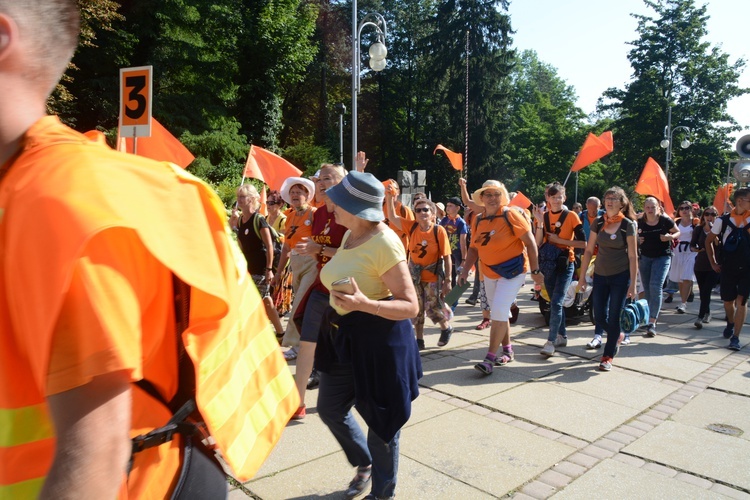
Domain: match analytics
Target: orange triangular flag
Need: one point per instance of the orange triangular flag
(456, 159)
(593, 149)
(96, 136)
(161, 146)
(653, 182)
(269, 167)
(520, 200)
(723, 198)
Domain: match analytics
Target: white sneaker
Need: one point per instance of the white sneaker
(682, 308)
(548, 349)
(561, 341)
(595, 343)
(626, 340)
(707, 318)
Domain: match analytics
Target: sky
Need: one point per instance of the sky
(587, 42)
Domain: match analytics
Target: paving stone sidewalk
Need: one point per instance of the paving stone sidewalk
(672, 419)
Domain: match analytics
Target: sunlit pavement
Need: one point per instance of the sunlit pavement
(672, 419)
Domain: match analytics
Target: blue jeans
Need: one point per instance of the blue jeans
(557, 285)
(335, 401)
(609, 294)
(653, 273)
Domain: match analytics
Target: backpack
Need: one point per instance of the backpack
(735, 249)
(276, 239)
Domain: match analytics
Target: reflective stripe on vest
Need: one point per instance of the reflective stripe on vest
(24, 425)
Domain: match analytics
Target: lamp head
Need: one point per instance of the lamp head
(664, 143)
(378, 64)
(378, 51)
(685, 144)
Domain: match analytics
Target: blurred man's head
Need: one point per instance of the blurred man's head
(45, 33)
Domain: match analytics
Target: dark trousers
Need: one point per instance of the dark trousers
(706, 282)
(609, 296)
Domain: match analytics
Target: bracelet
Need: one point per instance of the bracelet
(269, 269)
(322, 249)
(377, 311)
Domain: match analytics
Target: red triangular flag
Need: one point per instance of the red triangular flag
(456, 159)
(593, 149)
(269, 167)
(653, 182)
(520, 200)
(723, 198)
(161, 146)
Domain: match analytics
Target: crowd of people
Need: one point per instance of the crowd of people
(628, 255)
(100, 335)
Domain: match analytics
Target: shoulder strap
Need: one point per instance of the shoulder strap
(413, 228)
(561, 220)
(505, 216)
(599, 223)
(476, 221)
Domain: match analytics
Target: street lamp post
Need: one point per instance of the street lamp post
(378, 53)
(341, 109)
(666, 143)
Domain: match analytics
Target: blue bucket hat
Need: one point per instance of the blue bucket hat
(633, 315)
(361, 194)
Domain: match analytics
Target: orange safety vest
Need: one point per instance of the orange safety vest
(244, 388)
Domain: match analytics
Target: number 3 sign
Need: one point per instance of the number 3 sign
(135, 101)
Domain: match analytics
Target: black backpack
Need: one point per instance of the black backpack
(735, 249)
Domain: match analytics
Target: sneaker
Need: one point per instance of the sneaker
(707, 318)
(626, 340)
(360, 482)
(445, 336)
(668, 300)
(300, 413)
(561, 341)
(472, 301)
(734, 344)
(505, 358)
(606, 364)
(728, 330)
(485, 366)
(650, 330)
(698, 323)
(691, 297)
(596, 343)
(513, 313)
(682, 308)
(420, 344)
(314, 380)
(548, 349)
(484, 324)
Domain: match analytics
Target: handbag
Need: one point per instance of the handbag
(510, 268)
(634, 314)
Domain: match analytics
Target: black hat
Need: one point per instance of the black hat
(455, 200)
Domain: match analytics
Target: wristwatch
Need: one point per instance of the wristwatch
(536, 271)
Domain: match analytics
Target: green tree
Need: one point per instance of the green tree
(546, 128)
(674, 66)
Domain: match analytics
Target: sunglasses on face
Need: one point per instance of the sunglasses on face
(686, 208)
(710, 214)
(424, 209)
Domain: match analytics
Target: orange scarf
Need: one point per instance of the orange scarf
(613, 219)
(738, 218)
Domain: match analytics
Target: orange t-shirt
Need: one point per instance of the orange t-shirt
(567, 229)
(405, 213)
(298, 226)
(424, 248)
(498, 241)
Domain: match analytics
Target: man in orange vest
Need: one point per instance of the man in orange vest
(88, 251)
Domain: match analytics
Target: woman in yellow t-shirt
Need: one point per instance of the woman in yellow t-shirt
(501, 237)
(367, 356)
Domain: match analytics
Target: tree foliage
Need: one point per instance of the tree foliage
(674, 66)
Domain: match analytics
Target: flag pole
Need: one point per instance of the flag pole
(568, 177)
(466, 132)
